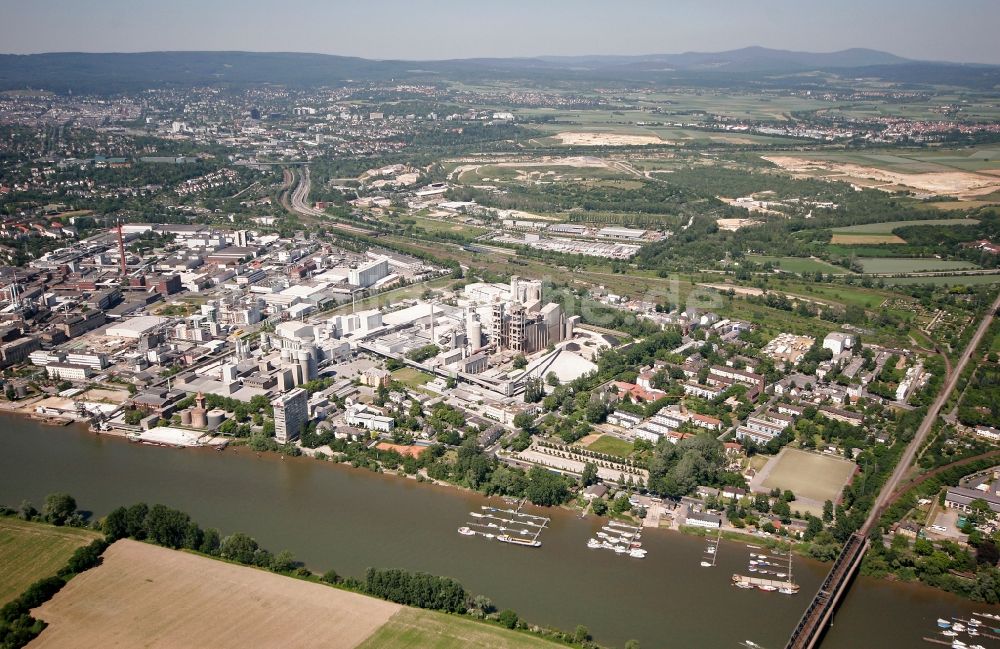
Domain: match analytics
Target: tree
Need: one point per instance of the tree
(589, 476)
(581, 634)
(58, 508)
(552, 379)
(283, 562)
(632, 644)
(600, 506)
(525, 421)
(828, 511)
(520, 362)
(239, 547)
(545, 487)
(508, 618)
(115, 524)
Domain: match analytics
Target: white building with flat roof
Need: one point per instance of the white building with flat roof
(291, 412)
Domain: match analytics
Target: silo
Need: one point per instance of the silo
(186, 417)
(307, 365)
(215, 418)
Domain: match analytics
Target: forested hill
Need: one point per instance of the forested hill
(756, 66)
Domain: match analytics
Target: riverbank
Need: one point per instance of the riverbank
(351, 518)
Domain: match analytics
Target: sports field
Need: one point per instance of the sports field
(411, 377)
(31, 551)
(812, 477)
(611, 445)
(417, 629)
(864, 239)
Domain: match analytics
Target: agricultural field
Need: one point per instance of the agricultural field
(812, 477)
(31, 551)
(892, 265)
(120, 603)
(888, 226)
(947, 280)
(799, 264)
(416, 629)
(611, 445)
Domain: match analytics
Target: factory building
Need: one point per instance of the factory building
(523, 324)
(370, 272)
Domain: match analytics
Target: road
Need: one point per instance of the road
(925, 426)
(299, 204)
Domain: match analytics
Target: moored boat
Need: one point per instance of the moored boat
(465, 531)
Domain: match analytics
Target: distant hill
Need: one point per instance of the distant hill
(753, 66)
(746, 59)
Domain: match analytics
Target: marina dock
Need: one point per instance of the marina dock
(786, 587)
(506, 525)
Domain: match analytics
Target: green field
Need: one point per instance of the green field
(947, 280)
(30, 551)
(417, 629)
(611, 445)
(889, 226)
(799, 264)
(910, 265)
(411, 377)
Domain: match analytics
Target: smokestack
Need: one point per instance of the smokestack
(121, 249)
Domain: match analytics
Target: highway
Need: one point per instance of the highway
(299, 204)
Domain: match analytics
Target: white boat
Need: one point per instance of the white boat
(780, 574)
(475, 514)
(784, 590)
(465, 531)
(752, 569)
(488, 535)
(744, 585)
(958, 644)
(710, 549)
(706, 564)
(973, 622)
(767, 588)
(949, 633)
(958, 626)
(593, 544)
(943, 623)
(976, 646)
(637, 554)
(518, 541)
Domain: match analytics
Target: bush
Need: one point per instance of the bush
(508, 618)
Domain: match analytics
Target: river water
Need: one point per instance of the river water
(332, 516)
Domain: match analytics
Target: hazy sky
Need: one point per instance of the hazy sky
(954, 30)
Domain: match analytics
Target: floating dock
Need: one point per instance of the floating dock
(506, 525)
(785, 587)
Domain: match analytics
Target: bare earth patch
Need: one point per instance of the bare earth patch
(942, 183)
(862, 239)
(606, 139)
(147, 596)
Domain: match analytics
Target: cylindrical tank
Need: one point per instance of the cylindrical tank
(185, 417)
(475, 334)
(215, 418)
(199, 418)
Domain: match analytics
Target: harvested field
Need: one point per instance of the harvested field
(812, 477)
(945, 183)
(865, 239)
(147, 596)
(606, 139)
(31, 551)
(416, 629)
(886, 227)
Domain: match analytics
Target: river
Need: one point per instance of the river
(333, 516)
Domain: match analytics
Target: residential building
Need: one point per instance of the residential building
(291, 412)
